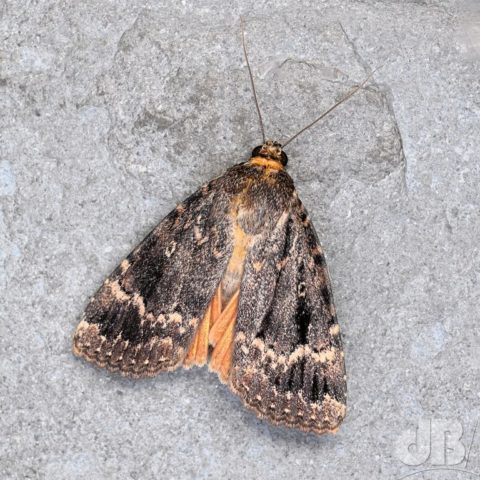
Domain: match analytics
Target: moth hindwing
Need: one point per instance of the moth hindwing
(235, 278)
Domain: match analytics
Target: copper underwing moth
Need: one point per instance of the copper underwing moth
(233, 278)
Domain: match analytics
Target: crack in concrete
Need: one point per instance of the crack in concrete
(123, 35)
(356, 53)
(112, 121)
(386, 94)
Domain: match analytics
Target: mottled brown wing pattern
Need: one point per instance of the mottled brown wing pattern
(143, 318)
(287, 360)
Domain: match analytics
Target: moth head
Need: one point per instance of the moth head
(271, 150)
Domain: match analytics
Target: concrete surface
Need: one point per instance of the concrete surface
(111, 112)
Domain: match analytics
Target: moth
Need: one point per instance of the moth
(233, 278)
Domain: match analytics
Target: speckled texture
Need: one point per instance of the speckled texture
(112, 112)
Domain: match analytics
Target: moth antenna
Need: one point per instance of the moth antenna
(242, 26)
(333, 107)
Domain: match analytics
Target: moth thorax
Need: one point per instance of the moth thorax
(271, 150)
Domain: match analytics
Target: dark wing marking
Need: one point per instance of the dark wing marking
(143, 318)
(288, 361)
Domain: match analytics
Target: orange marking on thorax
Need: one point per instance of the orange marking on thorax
(265, 162)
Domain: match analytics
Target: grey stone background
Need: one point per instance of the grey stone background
(112, 112)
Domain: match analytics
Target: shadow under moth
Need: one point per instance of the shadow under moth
(234, 277)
